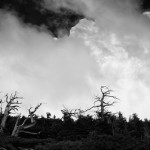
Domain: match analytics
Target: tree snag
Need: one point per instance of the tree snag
(20, 128)
(103, 104)
(11, 108)
(1, 107)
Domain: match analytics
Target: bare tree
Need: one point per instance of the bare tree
(1, 107)
(20, 128)
(12, 106)
(101, 102)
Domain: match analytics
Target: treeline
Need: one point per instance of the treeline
(76, 130)
(114, 132)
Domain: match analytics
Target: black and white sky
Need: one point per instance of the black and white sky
(113, 50)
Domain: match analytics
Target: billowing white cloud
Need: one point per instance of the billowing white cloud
(112, 51)
(41, 68)
(123, 65)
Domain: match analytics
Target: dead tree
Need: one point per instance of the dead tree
(12, 106)
(1, 107)
(21, 128)
(102, 103)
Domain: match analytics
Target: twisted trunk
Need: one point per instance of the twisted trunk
(4, 119)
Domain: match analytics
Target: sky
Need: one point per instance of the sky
(111, 51)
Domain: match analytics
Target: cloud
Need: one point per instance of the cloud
(97, 8)
(41, 68)
(119, 41)
(112, 51)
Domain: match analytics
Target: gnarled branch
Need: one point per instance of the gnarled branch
(12, 106)
(20, 128)
(105, 92)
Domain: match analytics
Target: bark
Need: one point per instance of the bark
(1, 108)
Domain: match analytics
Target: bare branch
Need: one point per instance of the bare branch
(19, 128)
(17, 120)
(7, 98)
(102, 103)
(24, 122)
(32, 133)
(29, 126)
(91, 108)
(35, 109)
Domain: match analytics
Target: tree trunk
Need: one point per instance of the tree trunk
(4, 119)
(102, 109)
(15, 130)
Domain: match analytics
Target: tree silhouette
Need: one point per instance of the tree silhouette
(1, 107)
(101, 104)
(48, 115)
(11, 108)
(20, 128)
